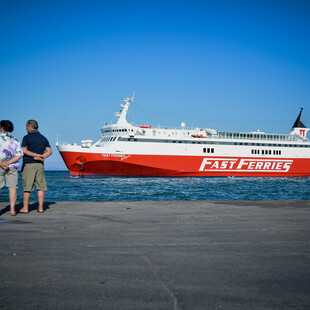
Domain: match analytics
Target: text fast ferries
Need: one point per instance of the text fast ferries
(245, 165)
(127, 150)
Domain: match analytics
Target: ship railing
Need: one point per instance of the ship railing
(259, 136)
(65, 143)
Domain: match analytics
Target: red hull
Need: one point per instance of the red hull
(97, 164)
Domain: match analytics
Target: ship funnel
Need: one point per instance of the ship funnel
(299, 128)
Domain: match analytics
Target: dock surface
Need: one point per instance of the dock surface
(156, 255)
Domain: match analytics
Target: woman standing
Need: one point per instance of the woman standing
(10, 153)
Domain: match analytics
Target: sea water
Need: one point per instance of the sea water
(63, 187)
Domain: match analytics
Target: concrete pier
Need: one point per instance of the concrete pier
(156, 255)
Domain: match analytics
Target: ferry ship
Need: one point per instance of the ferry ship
(145, 151)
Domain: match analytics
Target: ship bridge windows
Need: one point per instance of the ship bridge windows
(117, 130)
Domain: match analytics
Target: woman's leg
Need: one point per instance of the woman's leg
(13, 197)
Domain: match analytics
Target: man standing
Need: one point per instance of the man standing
(10, 154)
(36, 149)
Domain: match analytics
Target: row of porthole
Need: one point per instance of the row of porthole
(208, 150)
(267, 152)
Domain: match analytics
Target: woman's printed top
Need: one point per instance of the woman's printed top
(9, 147)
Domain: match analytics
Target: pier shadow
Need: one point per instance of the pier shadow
(32, 207)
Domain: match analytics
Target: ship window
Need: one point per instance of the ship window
(212, 150)
(204, 149)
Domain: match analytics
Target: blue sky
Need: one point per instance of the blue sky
(228, 65)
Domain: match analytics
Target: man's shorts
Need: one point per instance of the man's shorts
(33, 174)
(11, 177)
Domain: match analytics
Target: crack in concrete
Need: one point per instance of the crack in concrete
(164, 282)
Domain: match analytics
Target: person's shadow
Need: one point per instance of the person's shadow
(32, 207)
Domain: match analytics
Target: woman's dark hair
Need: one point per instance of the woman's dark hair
(7, 125)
